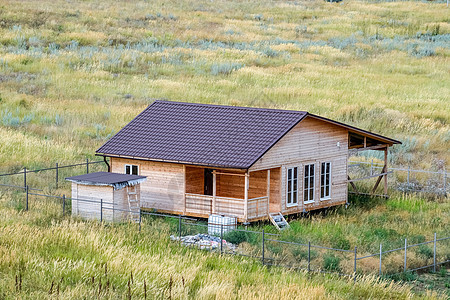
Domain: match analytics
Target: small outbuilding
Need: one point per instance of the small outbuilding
(106, 196)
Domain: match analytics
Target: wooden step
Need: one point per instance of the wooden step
(279, 221)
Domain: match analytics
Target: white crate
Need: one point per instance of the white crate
(215, 222)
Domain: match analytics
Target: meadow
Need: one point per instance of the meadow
(73, 73)
(47, 256)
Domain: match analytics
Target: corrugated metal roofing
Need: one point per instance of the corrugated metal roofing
(209, 135)
(107, 178)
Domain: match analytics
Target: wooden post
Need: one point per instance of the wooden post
(24, 177)
(246, 185)
(140, 218)
(385, 170)
(57, 175)
(268, 192)
(381, 253)
(184, 190)
(434, 254)
(214, 192)
(404, 263)
(87, 165)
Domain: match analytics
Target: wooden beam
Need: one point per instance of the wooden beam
(376, 147)
(371, 176)
(365, 142)
(378, 180)
(213, 206)
(246, 186)
(184, 190)
(231, 174)
(386, 176)
(268, 191)
(352, 184)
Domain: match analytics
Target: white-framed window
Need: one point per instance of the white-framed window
(132, 169)
(325, 181)
(308, 191)
(292, 186)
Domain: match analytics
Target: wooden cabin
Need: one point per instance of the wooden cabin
(106, 196)
(244, 162)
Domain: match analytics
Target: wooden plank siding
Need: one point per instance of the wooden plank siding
(91, 209)
(312, 141)
(164, 187)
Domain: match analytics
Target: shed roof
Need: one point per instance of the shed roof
(207, 135)
(115, 180)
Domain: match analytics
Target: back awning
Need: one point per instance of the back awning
(116, 180)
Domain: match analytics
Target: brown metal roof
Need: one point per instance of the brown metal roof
(204, 134)
(201, 134)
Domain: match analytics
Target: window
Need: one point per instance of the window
(132, 169)
(291, 199)
(325, 180)
(309, 183)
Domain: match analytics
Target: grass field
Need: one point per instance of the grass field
(46, 256)
(73, 73)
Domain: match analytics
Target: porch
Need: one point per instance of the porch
(249, 196)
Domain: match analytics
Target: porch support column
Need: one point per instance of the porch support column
(246, 186)
(385, 170)
(268, 192)
(213, 208)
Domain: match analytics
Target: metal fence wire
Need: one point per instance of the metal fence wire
(268, 248)
(404, 179)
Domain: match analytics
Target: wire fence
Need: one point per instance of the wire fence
(50, 177)
(269, 248)
(404, 179)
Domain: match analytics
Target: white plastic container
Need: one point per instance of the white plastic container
(216, 222)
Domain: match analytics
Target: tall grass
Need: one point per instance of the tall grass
(379, 66)
(45, 258)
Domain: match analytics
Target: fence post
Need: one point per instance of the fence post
(24, 177)
(64, 205)
(262, 257)
(101, 210)
(371, 168)
(56, 175)
(221, 238)
(381, 252)
(406, 246)
(354, 266)
(445, 181)
(409, 170)
(140, 219)
(309, 256)
(26, 205)
(179, 227)
(434, 254)
(87, 165)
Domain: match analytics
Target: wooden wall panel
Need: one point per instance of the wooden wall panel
(164, 187)
(311, 141)
(257, 184)
(91, 210)
(275, 190)
(230, 185)
(195, 180)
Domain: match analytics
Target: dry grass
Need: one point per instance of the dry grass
(90, 260)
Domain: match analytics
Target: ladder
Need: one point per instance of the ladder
(279, 221)
(133, 203)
